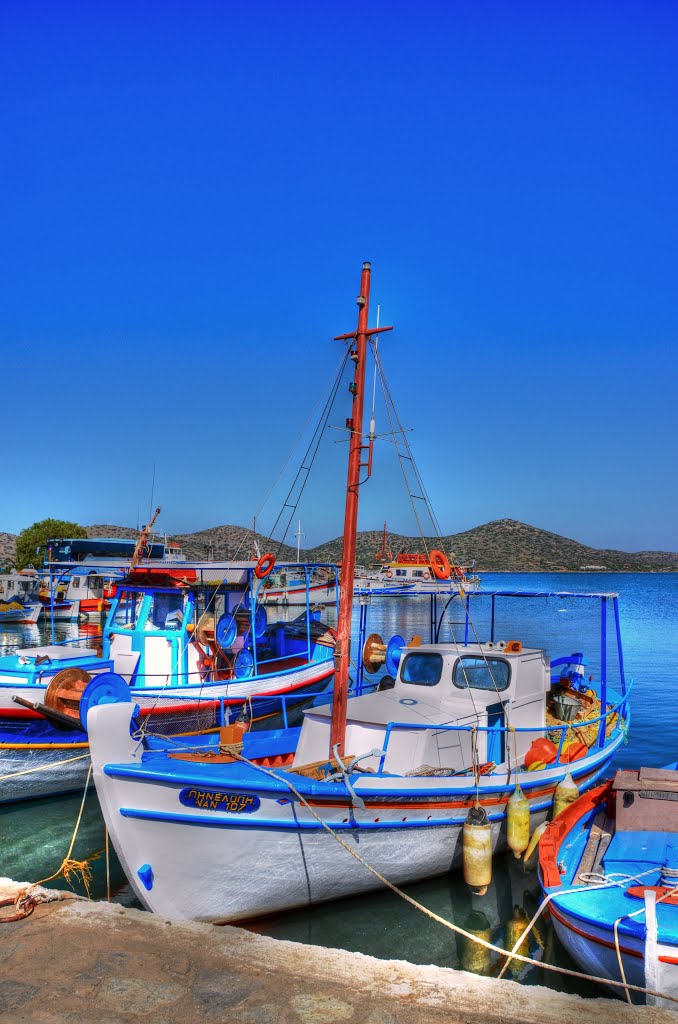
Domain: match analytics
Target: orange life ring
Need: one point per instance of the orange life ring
(458, 572)
(389, 574)
(264, 566)
(426, 576)
(440, 565)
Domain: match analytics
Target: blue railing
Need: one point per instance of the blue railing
(620, 708)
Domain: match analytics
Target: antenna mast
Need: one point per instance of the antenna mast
(342, 650)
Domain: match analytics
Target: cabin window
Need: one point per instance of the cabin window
(129, 606)
(75, 583)
(481, 674)
(166, 611)
(422, 669)
(401, 572)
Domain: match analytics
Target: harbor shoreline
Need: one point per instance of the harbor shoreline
(79, 962)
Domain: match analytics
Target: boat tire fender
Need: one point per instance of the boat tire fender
(440, 564)
(264, 566)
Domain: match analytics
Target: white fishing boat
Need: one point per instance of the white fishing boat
(423, 571)
(181, 639)
(407, 778)
(190, 646)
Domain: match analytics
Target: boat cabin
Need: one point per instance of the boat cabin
(441, 685)
(18, 586)
(171, 626)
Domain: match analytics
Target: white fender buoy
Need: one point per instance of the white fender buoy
(518, 821)
(566, 793)
(477, 852)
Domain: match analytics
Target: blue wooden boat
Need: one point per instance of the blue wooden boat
(609, 865)
(193, 648)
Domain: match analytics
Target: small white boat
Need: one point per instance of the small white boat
(19, 612)
(18, 597)
(289, 589)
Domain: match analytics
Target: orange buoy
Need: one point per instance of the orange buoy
(573, 750)
(440, 565)
(541, 750)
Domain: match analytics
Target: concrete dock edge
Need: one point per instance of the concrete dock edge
(76, 962)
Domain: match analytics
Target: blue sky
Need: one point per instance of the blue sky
(189, 192)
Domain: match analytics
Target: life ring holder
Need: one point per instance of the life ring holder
(440, 565)
(264, 566)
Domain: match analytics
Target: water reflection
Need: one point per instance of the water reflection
(35, 837)
(383, 925)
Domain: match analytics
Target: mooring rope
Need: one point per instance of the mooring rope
(69, 866)
(43, 767)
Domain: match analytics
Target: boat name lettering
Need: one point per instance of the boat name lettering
(209, 800)
(657, 794)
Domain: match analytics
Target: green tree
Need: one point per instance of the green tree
(38, 534)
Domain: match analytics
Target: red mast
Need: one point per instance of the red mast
(342, 649)
(384, 555)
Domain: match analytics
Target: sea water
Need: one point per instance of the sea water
(34, 836)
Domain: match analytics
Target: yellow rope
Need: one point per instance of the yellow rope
(43, 746)
(441, 920)
(108, 869)
(69, 866)
(43, 767)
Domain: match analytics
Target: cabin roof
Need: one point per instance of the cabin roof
(391, 706)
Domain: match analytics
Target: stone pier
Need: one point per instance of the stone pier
(74, 962)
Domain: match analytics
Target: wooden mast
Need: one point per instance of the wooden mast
(342, 651)
(140, 545)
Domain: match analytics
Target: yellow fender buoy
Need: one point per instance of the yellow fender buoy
(529, 860)
(566, 793)
(477, 842)
(518, 821)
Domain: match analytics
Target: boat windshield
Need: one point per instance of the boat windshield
(481, 674)
(422, 669)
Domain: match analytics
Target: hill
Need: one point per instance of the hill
(7, 547)
(504, 545)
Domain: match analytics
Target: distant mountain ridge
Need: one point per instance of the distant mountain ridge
(504, 545)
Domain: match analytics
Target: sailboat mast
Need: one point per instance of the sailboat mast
(342, 650)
